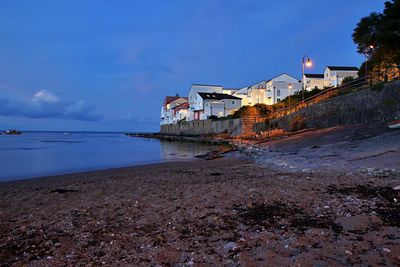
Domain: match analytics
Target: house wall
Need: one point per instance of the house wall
(334, 78)
(311, 83)
(242, 93)
(194, 102)
(278, 88)
(231, 105)
(228, 91)
(180, 115)
(256, 96)
(167, 114)
(213, 108)
(220, 108)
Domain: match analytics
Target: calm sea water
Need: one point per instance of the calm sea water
(35, 154)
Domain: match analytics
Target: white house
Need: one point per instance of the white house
(280, 87)
(216, 104)
(335, 74)
(312, 81)
(229, 91)
(251, 95)
(242, 93)
(170, 102)
(196, 105)
(180, 112)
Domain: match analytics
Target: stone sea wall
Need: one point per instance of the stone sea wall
(203, 127)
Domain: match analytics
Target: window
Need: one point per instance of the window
(233, 102)
(278, 92)
(278, 100)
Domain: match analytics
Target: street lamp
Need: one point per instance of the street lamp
(306, 62)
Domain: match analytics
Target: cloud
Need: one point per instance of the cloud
(45, 96)
(45, 104)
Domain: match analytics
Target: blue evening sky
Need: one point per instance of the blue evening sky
(107, 65)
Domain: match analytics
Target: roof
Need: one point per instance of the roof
(263, 81)
(182, 106)
(169, 99)
(199, 84)
(342, 68)
(217, 96)
(310, 75)
(279, 76)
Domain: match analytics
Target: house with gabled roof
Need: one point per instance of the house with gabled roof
(169, 103)
(313, 81)
(253, 94)
(334, 75)
(280, 87)
(195, 105)
(217, 104)
(179, 113)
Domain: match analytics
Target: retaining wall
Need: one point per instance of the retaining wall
(203, 127)
(358, 107)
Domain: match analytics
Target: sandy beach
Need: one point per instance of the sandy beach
(228, 211)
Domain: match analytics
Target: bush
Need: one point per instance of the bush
(347, 80)
(213, 117)
(246, 111)
(263, 109)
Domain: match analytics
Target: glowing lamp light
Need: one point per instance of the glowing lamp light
(308, 63)
(290, 86)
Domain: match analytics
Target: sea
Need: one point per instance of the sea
(37, 154)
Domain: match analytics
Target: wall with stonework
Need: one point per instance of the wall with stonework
(359, 107)
(203, 127)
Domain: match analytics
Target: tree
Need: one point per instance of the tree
(378, 37)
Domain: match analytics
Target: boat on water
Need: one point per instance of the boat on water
(13, 132)
(394, 124)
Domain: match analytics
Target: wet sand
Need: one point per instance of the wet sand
(203, 213)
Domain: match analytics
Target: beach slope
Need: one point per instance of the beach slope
(220, 212)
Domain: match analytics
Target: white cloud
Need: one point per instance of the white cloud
(45, 104)
(45, 96)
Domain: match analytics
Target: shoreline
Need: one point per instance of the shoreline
(201, 157)
(94, 171)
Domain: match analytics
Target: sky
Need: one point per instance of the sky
(100, 65)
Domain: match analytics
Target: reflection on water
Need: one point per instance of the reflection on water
(176, 150)
(34, 154)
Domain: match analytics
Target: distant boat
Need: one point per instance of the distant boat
(13, 132)
(67, 133)
(394, 124)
